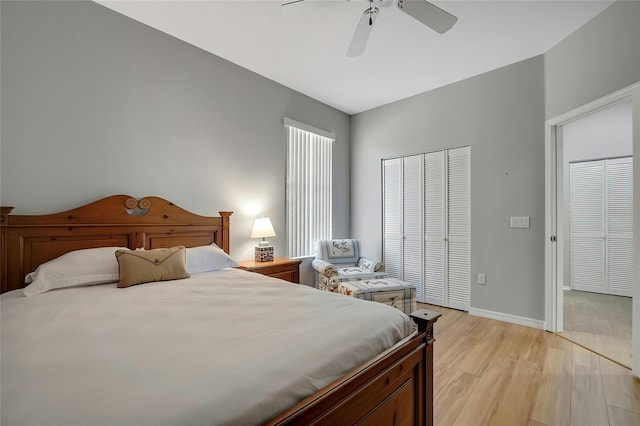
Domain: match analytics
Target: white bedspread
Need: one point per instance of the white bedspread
(225, 347)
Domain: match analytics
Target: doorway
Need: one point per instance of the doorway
(595, 194)
(556, 239)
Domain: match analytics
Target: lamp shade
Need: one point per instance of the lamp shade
(262, 228)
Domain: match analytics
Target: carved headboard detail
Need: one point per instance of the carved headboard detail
(118, 220)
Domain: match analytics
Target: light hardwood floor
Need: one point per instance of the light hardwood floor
(488, 372)
(600, 322)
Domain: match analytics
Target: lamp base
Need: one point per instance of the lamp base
(264, 254)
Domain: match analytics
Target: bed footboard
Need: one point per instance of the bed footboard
(395, 388)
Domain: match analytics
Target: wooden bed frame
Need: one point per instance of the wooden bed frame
(394, 388)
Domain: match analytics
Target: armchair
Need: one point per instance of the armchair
(339, 260)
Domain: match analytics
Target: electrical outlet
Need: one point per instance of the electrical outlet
(482, 279)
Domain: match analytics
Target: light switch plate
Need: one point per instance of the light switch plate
(519, 222)
(482, 279)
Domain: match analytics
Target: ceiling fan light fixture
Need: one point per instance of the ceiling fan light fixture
(363, 31)
(429, 14)
(424, 12)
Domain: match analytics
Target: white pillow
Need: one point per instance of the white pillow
(76, 268)
(208, 258)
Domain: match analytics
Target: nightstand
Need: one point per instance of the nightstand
(280, 267)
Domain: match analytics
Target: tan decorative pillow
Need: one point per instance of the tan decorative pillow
(143, 266)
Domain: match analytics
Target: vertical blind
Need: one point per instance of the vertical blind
(308, 189)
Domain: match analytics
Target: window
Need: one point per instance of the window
(308, 187)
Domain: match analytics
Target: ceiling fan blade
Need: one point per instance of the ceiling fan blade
(363, 31)
(385, 3)
(429, 14)
(300, 7)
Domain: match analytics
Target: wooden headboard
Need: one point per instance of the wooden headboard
(119, 220)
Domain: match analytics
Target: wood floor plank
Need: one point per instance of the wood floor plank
(524, 376)
(516, 404)
(451, 350)
(451, 396)
(449, 316)
(600, 322)
(533, 347)
(554, 393)
(483, 402)
(514, 339)
(477, 358)
(612, 347)
(621, 388)
(448, 357)
(558, 342)
(588, 406)
(620, 417)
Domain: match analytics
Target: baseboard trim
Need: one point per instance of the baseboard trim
(566, 288)
(514, 319)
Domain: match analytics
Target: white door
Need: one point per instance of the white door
(435, 228)
(447, 205)
(601, 206)
(586, 209)
(458, 228)
(619, 217)
(412, 222)
(392, 216)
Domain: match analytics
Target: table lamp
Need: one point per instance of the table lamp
(262, 228)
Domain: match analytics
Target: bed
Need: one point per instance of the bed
(224, 346)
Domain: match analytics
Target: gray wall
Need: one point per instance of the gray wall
(500, 114)
(607, 133)
(94, 104)
(601, 57)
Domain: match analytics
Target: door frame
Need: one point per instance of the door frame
(554, 228)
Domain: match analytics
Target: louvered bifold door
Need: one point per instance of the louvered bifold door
(435, 190)
(458, 227)
(392, 216)
(587, 215)
(619, 220)
(412, 223)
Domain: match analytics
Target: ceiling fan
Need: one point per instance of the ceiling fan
(427, 13)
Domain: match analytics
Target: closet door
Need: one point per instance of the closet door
(426, 233)
(412, 264)
(392, 216)
(435, 226)
(619, 219)
(458, 228)
(587, 215)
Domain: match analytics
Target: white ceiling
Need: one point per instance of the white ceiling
(403, 57)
